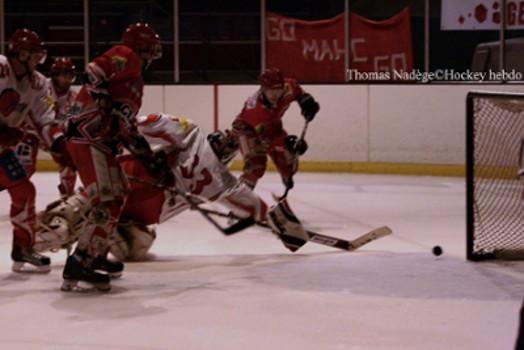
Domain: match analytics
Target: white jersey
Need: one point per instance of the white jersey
(62, 101)
(35, 112)
(194, 163)
(196, 167)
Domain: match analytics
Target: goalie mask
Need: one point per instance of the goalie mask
(224, 144)
(60, 224)
(53, 234)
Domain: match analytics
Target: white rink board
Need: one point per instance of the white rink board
(338, 133)
(192, 101)
(422, 124)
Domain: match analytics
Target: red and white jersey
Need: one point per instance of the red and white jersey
(62, 101)
(117, 73)
(194, 163)
(196, 167)
(266, 120)
(34, 113)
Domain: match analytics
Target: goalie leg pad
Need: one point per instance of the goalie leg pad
(286, 226)
(131, 241)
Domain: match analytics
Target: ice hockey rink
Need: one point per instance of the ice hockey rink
(202, 290)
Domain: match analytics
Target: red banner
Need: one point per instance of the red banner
(382, 46)
(306, 50)
(313, 51)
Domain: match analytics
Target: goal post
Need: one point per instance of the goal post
(494, 193)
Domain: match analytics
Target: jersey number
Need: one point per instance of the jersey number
(204, 179)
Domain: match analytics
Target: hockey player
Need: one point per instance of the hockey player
(260, 131)
(102, 120)
(24, 104)
(62, 77)
(199, 164)
(61, 96)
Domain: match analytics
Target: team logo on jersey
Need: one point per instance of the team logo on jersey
(119, 61)
(49, 100)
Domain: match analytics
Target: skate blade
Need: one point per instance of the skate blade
(24, 267)
(115, 275)
(84, 287)
(112, 275)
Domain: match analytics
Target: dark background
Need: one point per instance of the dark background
(221, 44)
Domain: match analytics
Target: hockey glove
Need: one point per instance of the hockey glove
(59, 153)
(9, 99)
(308, 106)
(295, 145)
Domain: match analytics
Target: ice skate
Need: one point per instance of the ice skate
(27, 260)
(112, 268)
(78, 278)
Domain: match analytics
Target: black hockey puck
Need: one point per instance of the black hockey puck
(437, 250)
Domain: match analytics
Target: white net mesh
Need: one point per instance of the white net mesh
(498, 201)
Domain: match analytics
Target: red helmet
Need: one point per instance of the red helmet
(62, 65)
(142, 37)
(25, 39)
(272, 79)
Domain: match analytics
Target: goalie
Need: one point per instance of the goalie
(199, 164)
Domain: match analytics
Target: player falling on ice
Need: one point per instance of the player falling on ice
(102, 120)
(25, 104)
(260, 130)
(199, 164)
(200, 167)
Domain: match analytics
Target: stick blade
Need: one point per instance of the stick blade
(238, 226)
(369, 237)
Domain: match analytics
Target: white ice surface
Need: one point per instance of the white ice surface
(201, 290)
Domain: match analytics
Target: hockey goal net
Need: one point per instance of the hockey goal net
(495, 194)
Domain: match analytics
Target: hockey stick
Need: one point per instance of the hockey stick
(295, 156)
(194, 202)
(244, 223)
(326, 240)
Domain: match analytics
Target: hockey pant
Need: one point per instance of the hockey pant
(255, 154)
(14, 178)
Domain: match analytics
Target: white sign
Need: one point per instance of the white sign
(481, 14)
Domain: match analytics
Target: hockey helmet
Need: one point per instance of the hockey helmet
(25, 39)
(62, 65)
(141, 37)
(272, 79)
